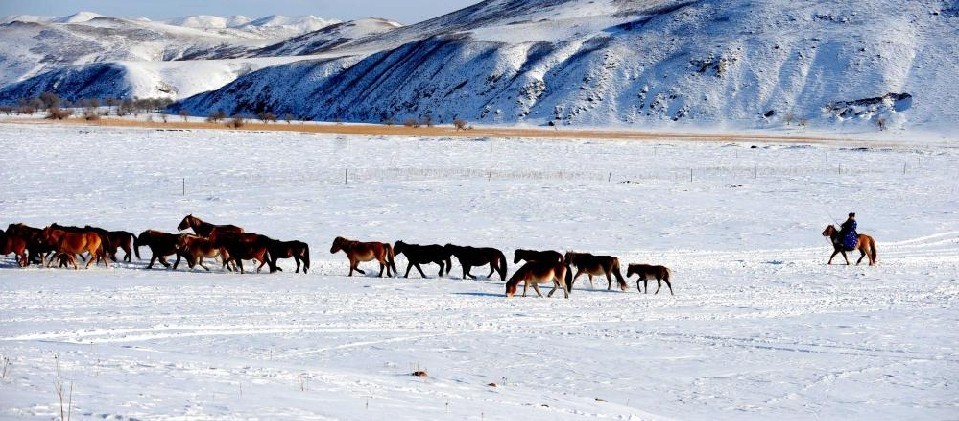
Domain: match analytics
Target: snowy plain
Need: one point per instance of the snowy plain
(759, 327)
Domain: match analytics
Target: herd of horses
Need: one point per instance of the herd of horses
(232, 245)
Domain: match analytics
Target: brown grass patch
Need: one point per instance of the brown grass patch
(387, 130)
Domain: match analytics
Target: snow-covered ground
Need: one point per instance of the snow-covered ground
(759, 326)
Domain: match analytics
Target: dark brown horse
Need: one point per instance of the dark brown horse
(417, 255)
(660, 273)
(14, 244)
(237, 247)
(162, 245)
(865, 244)
(66, 260)
(595, 266)
(36, 247)
(194, 248)
(359, 251)
(116, 240)
(479, 256)
(75, 243)
(297, 250)
(537, 272)
(205, 229)
(537, 256)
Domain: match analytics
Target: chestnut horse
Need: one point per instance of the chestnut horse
(205, 229)
(14, 244)
(537, 272)
(76, 243)
(595, 266)
(537, 256)
(194, 248)
(36, 247)
(160, 243)
(865, 244)
(661, 273)
(358, 251)
(479, 256)
(417, 255)
(297, 250)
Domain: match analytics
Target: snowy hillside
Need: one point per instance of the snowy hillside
(34, 45)
(614, 62)
(654, 63)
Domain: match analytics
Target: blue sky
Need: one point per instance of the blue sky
(405, 11)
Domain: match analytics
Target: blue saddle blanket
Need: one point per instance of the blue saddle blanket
(849, 241)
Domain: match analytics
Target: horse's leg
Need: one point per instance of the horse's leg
(383, 266)
(659, 284)
(578, 272)
(550, 294)
(440, 262)
(200, 262)
(176, 264)
(152, 261)
(423, 275)
(559, 281)
(163, 262)
(536, 288)
(845, 257)
(492, 269)
(610, 279)
(639, 288)
(525, 286)
(833, 255)
(91, 261)
(466, 273)
(409, 267)
(590, 277)
(670, 285)
(862, 253)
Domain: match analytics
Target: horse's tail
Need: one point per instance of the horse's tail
(136, 245)
(569, 278)
(619, 275)
(306, 257)
(502, 267)
(872, 248)
(390, 256)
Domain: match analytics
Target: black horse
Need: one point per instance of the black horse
(474, 256)
(417, 254)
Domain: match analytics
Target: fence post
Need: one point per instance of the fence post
(690, 175)
(347, 179)
(183, 186)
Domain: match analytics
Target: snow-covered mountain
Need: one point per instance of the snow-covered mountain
(34, 45)
(635, 63)
(642, 63)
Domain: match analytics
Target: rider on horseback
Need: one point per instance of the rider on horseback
(847, 232)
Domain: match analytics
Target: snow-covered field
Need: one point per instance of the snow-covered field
(759, 328)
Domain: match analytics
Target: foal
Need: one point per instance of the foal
(661, 273)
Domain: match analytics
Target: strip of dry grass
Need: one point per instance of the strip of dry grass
(384, 130)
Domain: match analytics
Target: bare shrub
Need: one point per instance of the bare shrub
(90, 115)
(428, 120)
(460, 124)
(881, 122)
(411, 122)
(184, 114)
(216, 117)
(6, 110)
(267, 117)
(58, 113)
(288, 118)
(236, 122)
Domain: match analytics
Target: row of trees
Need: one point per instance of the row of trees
(93, 108)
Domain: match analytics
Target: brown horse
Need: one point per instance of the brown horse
(116, 239)
(36, 247)
(358, 251)
(160, 243)
(14, 244)
(205, 229)
(479, 256)
(537, 256)
(417, 255)
(297, 250)
(595, 266)
(237, 247)
(76, 243)
(537, 272)
(866, 246)
(661, 273)
(195, 248)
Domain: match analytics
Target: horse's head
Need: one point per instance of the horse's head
(338, 244)
(568, 257)
(511, 286)
(518, 255)
(829, 231)
(187, 222)
(399, 247)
